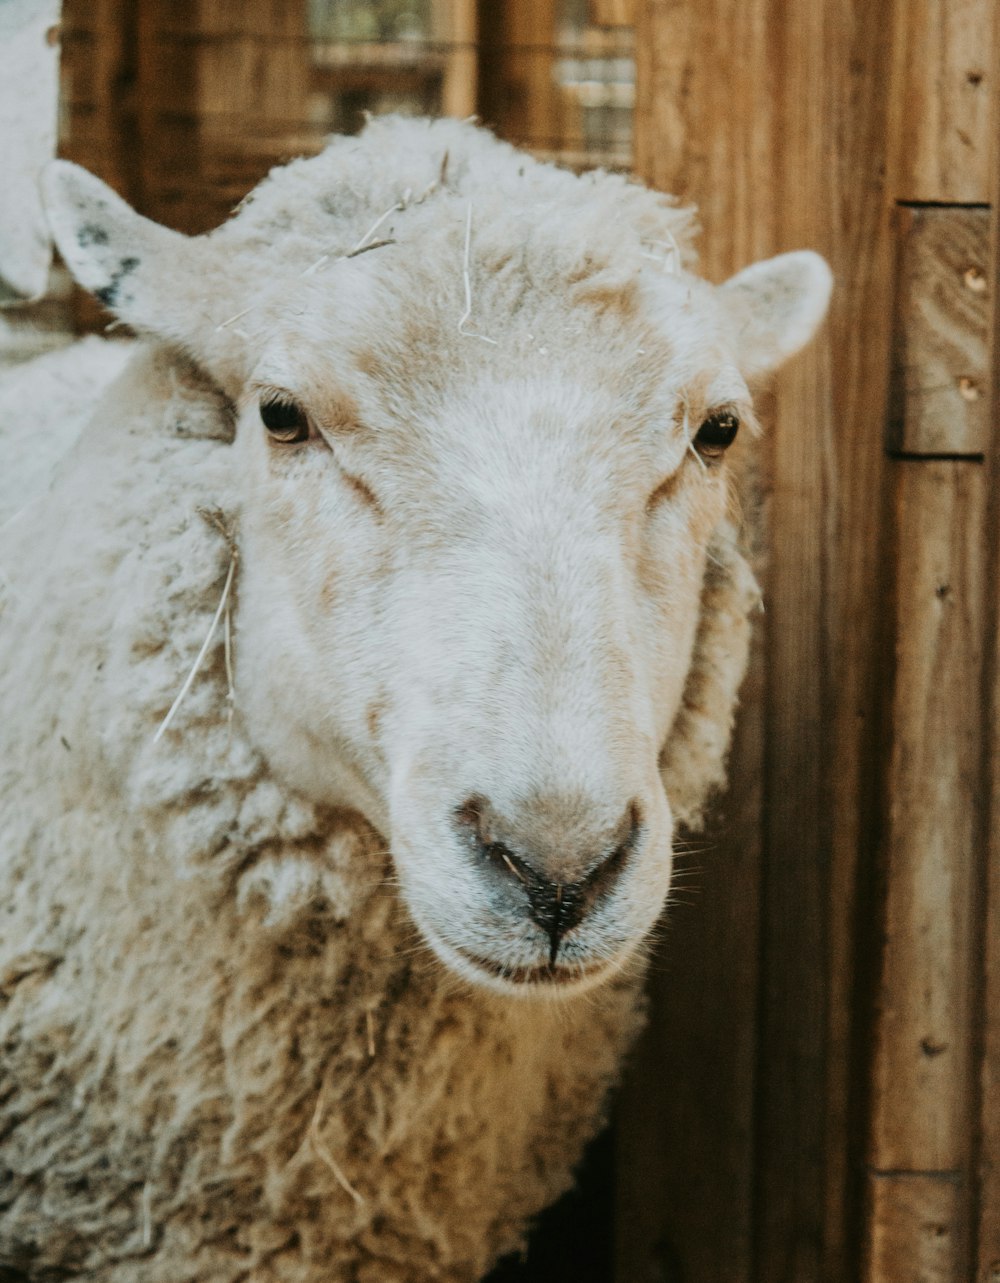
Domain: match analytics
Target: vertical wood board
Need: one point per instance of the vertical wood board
(924, 1031)
(456, 25)
(774, 119)
(521, 97)
(988, 1152)
(686, 1120)
(945, 85)
(613, 13)
(941, 394)
(919, 1230)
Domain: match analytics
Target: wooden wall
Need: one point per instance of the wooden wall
(818, 1097)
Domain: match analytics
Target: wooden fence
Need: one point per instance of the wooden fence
(819, 1095)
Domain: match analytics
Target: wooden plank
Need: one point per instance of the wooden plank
(251, 95)
(924, 1034)
(98, 90)
(919, 1229)
(686, 1119)
(940, 396)
(613, 13)
(694, 63)
(685, 1139)
(988, 1156)
(519, 95)
(776, 162)
(946, 77)
(988, 1235)
(456, 26)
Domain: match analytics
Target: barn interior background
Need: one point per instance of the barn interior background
(818, 1094)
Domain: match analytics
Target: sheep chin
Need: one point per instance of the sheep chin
(539, 982)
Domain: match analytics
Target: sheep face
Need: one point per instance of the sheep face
(472, 582)
(479, 474)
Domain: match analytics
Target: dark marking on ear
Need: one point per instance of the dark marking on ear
(109, 293)
(91, 234)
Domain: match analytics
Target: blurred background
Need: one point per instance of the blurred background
(817, 1097)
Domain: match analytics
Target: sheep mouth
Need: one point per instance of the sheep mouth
(542, 974)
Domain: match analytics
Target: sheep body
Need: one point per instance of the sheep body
(225, 1053)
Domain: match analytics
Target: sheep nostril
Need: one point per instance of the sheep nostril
(555, 904)
(470, 818)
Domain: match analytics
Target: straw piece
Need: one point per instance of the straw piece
(323, 1152)
(202, 653)
(467, 280)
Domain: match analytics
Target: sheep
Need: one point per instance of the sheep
(415, 493)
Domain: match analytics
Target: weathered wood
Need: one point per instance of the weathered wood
(98, 84)
(940, 395)
(455, 26)
(919, 1229)
(774, 119)
(613, 13)
(252, 95)
(686, 1120)
(683, 1206)
(520, 97)
(702, 110)
(922, 1076)
(988, 1156)
(945, 78)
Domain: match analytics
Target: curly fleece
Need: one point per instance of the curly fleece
(224, 1053)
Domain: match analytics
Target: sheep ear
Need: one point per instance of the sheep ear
(122, 258)
(776, 306)
(157, 280)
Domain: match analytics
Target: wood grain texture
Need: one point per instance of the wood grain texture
(252, 87)
(919, 1230)
(940, 394)
(613, 13)
(945, 74)
(685, 1138)
(924, 1031)
(775, 119)
(455, 23)
(988, 1150)
(711, 105)
(520, 96)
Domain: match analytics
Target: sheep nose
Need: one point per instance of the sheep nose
(560, 886)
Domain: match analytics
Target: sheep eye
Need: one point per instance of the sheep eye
(716, 434)
(285, 421)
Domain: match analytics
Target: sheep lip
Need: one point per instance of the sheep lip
(543, 974)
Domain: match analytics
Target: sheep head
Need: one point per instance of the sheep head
(483, 420)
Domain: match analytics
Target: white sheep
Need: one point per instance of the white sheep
(327, 974)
